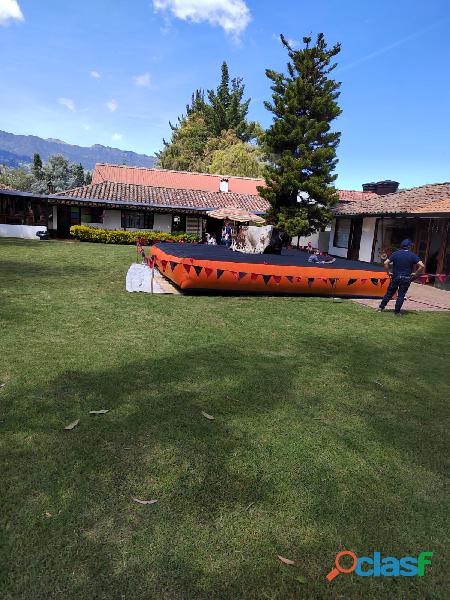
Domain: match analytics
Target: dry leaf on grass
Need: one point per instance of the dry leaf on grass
(72, 425)
(103, 411)
(145, 501)
(210, 417)
(286, 561)
(2, 385)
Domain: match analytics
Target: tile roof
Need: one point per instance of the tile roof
(426, 199)
(167, 197)
(354, 195)
(181, 180)
(184, 180)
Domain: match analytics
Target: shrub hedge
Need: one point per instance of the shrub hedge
(117, 236)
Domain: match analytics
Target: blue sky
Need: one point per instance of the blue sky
(114, 72)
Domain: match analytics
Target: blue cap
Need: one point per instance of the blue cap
(406, 243)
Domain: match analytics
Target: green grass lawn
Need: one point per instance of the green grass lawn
(330, 433)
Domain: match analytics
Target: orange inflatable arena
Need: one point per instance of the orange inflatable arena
(200, 267)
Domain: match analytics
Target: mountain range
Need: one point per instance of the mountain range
(19, 149)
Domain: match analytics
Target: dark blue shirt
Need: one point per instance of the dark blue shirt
(403, 261)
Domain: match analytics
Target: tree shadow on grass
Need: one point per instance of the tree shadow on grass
(218, 525)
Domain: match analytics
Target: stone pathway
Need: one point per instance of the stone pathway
(419, 298)
(162, 285)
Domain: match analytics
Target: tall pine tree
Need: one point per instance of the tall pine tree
(300, 144)
(222, 113)
(37, 167)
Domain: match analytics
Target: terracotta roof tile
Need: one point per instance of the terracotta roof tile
(173, 179)
(426, 199)
(166, 196)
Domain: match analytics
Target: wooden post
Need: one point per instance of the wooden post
(153, 274)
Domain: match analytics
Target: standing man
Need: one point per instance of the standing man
(406, 266)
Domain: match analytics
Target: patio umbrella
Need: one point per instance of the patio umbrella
(235, 214)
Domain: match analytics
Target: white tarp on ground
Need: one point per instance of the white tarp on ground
(139, 278)
(26, 232)
(252, 240)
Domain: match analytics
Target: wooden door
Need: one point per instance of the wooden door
(354, 239)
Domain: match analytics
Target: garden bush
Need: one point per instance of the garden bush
(118, 236)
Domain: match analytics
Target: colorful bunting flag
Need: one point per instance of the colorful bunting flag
(277, 278)
(254, 276)
(235, 274)
(208, 271)
(198, 270)
(266, 278)
(219, 273)
(241, 275)
(173, 264)
(187, 268)
(332, 281)
(324, 279)
(363, 280)
(164, 264)
(383, 281)
(374, 280)
(290, 278)
(351, 281)
(441, 277)
(310, 281)
(298, 279)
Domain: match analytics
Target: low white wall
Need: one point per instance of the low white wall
(319, 239)
(163, 222)
(368, 231)
(26, 232)
(112, 219)
(333, 249)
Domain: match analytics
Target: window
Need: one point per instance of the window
(342, 233)
(74, 215)
(178, 223)
(91, 214)
(132, 219)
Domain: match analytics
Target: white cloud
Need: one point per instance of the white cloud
(67, 102)
(293, 43)
(10, 11)
(142, 80)
(116, 137)
(112, 105)
(232, 15)
(95, 74)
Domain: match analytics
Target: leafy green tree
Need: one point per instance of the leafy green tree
(186, 150)
(300, 144)
(228, 155)
(206, 120)
(20, 178)
(78, 175)
(88, 178)
(37, 168)
(58, 175)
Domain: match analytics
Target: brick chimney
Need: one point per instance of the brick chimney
(381, 187)
(223, 186)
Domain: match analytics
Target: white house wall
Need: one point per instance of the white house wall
(318, 239)
(112, 219)
(368, 232)
(333, 249)
(26, 232)
(163, 222)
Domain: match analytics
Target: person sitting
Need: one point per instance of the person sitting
(212, 239)
(318, 259)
